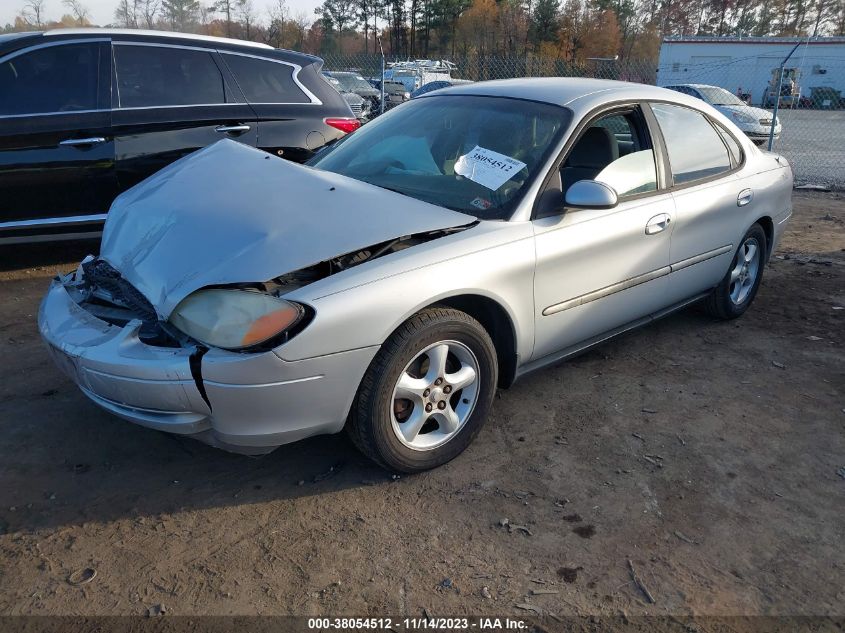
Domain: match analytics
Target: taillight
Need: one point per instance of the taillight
(344, 124)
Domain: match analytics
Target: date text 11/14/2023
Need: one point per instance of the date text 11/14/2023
(417, 624)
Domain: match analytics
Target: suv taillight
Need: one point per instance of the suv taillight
(344, 124)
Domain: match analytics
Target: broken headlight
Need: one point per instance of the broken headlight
(234, 319)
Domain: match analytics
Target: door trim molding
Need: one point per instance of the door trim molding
(635, 281)
(583, 346)
(607, 290)
(702, 257)
(60, 221)
(48, 237)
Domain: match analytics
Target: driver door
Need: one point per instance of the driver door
(602, 270)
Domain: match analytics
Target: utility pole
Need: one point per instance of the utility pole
(382, 73)
(777, 97)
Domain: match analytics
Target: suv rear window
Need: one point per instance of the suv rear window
(50, 79)
(149, 76)
(265, 81)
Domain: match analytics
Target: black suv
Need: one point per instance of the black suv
(87, 113)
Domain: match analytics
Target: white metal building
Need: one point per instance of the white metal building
(745, 63)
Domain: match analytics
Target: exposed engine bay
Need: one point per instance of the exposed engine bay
(100, 289)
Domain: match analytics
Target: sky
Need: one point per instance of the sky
(102, 11)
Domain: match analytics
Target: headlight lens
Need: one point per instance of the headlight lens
(234, 319)
(742, 116)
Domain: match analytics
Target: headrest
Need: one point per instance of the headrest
(597, 148)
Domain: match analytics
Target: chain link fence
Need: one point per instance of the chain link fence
(811, 107)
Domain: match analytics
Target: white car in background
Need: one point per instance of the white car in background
(756, 123)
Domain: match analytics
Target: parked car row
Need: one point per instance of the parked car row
(364, 96)
(361, 108)
(87, 113)
(755, 122)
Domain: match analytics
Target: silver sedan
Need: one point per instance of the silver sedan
(449, 247)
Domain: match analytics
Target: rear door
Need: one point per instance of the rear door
(57, 171)
(704, 162)
(170, 100)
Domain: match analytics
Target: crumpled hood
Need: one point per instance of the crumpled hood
(234, 214)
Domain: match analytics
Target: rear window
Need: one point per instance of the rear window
(265, 81)
(149, 76)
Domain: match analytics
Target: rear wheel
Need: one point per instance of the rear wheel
(732, 297)
(427, 393)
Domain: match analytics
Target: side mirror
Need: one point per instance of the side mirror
(591, 194)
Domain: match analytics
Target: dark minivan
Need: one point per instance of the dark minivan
(87, 113)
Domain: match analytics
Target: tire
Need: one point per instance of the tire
(734, 294)
(382, 423)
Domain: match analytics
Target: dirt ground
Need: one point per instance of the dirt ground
(710, 454)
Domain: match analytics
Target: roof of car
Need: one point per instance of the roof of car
(8, 37)
(561, 90)
(151, 33)
(697, 86)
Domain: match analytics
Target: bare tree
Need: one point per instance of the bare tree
(301, 23)
(78, 10)
(126, 14)
(149, 10)
(227, 8)
(247, 17)
(206, 16)
(33, 12)
(278, 16)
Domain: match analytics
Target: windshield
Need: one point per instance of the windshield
(466, 153)
(719, 96)
(353, 82)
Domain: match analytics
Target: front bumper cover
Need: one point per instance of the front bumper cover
(251, 403)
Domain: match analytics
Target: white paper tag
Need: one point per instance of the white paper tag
(488, 168)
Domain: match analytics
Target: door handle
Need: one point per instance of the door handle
(657, 224)
(745, 196)
(232, 129)
(82, 142)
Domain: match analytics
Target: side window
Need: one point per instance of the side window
(149, 76)
(51, 79)
(695, 149)
(613, 150)
(265, 81)
(731, 142)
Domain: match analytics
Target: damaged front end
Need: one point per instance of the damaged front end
(101, 290)
(111, 340)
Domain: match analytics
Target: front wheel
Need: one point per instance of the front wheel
(427, 392)
(734, 294)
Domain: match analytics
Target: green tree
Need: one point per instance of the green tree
(544, 22)
(180, 14)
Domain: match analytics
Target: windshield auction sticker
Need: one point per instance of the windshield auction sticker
(488, 168)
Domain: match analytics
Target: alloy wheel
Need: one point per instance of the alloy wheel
(435, 395)
(745, 269)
